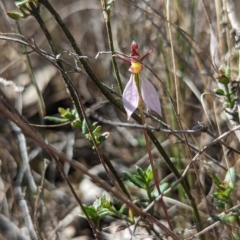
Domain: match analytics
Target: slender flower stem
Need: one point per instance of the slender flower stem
(148, 146)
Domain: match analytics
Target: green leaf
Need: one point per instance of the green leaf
(224, 74)
(102, 202)
(90, 211)
(228, 219)
(97, 130)
(104, 212)
(141, 173)
(65, 113)
(134, 180)
(227, 70)
(233, 90)
(56, 119)
(226, 193)
(223, 79)
(219, 92)
(84, 127)
(74, 113)
(215, 179)
(76, 124)
(62, 111)
(149, 173)
(122, 209)
(15, 15)
(220, 204)
(103, 137)
(94, 125)
(21, 2)
(24, 2)
(231, 177)
(98, 203)
(223, 195)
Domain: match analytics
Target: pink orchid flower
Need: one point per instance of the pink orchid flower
(144, 87)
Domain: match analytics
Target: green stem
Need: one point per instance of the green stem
(41, 103)
(228, 96)
(106, 14)
(121, 216)
(150, 199)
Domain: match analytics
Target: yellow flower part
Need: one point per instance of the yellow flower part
(136, 67)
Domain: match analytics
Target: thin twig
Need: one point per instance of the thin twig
(148, 127)
(40, 189)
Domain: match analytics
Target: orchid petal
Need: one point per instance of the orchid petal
(150, 96)
(130, 97)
